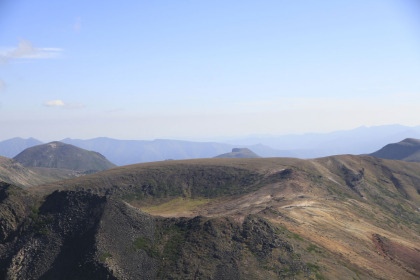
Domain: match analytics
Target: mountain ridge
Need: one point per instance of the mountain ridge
(338, 217)
(362, 140)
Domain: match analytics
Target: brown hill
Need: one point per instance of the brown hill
(63, 156)
(342, 217)
(408, 150)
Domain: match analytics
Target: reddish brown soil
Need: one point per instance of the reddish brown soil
(406, 257)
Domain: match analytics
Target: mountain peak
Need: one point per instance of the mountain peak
(411, 141)
(239, 153)
(64, 156)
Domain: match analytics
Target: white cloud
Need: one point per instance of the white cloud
(55, 103)
(2, 84)
(61, 103)
(77, 24)
(25, 49)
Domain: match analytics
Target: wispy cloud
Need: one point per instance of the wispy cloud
(77, 25)
(25, 49)
(62, 104)
(55, 103)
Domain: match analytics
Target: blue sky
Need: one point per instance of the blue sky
(205, 69)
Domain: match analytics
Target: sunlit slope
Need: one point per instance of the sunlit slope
(351, 215)
(14, 173)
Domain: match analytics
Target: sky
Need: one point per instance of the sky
(202, 69)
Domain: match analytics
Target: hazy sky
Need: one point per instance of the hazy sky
(206, 68)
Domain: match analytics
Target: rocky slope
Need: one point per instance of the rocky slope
(63, 156)
(408, 150)
(13, 172)
(343, 217)
(79, 235)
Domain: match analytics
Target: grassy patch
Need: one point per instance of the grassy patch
(132, 196)
(39, 222)
(313, 248)
(170, 240)
(34, 215)
(146, 245)
(179, 204)
(172, 249)
(297, 236)
(315, 269)
(105, 256)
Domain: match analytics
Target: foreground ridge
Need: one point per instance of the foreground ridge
(339, 217)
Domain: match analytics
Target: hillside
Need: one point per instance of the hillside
(239, 153)
(63, 156)
(341, 217)
(14, 173)
(408, 150)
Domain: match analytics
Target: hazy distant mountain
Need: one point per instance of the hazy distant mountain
(124, 152)
(266, 151)
(408, 150)
(11, 147)
(361, 140)
(63, 156)
(239, 153)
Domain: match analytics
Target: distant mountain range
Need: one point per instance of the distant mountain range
(124, 152)
(362, 140)
(357, 141)
(239, 153)
(408, 150)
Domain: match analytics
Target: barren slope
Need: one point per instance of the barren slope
(342, 217)
(14, 173)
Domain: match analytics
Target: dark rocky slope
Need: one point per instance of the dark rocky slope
(79, 235)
